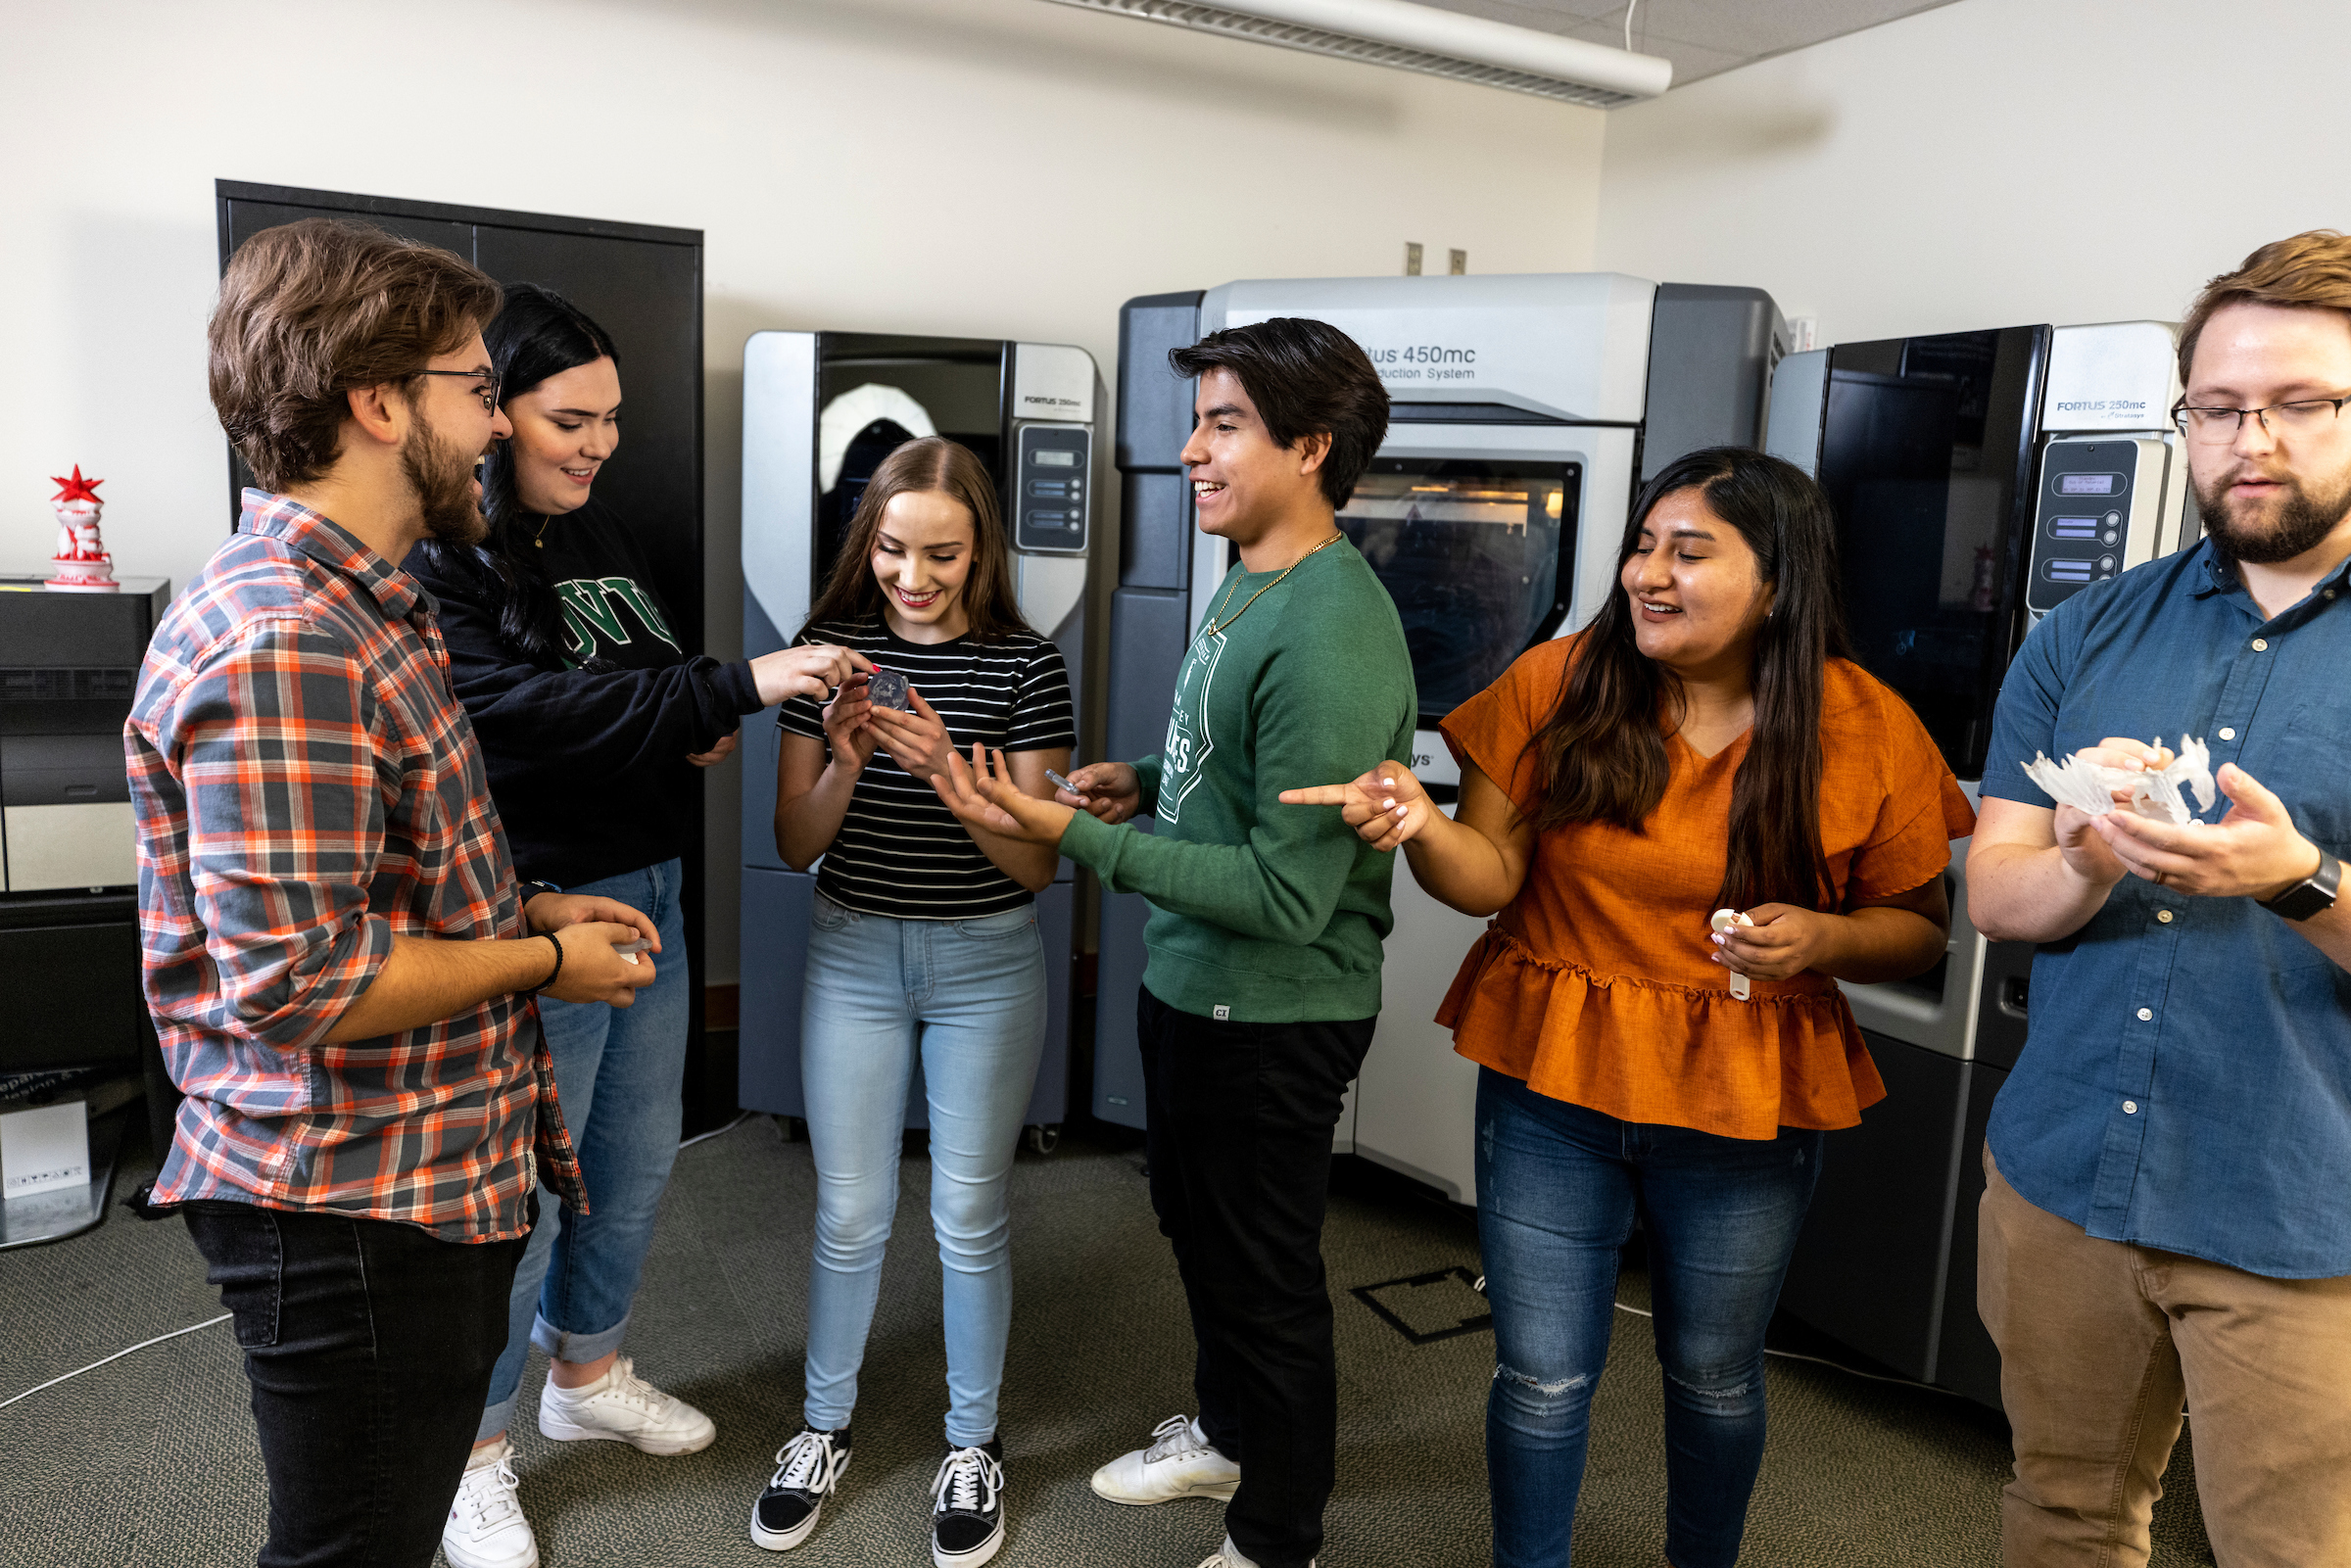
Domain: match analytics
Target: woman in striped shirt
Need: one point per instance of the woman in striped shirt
(923, 949)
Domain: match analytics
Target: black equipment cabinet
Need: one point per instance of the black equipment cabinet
(68, 907)
(643, 285)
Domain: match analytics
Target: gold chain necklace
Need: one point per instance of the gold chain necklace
(1216, 626)
(540, 539)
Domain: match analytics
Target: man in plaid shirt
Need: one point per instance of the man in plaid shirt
(338, 956)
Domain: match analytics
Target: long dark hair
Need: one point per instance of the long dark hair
(538, 334)
(929, 462)
(1601, 757)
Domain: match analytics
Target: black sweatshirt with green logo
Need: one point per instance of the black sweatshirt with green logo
(587, 765)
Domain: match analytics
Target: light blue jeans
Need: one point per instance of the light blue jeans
(967, 999)
(619, 1075)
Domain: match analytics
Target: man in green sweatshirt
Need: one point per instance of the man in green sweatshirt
(1262, 984)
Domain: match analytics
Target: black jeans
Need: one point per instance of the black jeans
(1238, 1119)
(368, 1346)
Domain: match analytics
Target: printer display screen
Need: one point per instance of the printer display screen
(1471, 551)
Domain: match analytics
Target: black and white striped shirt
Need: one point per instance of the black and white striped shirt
(900, 852)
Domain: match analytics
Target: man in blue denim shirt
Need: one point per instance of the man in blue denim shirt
(2169, 1206)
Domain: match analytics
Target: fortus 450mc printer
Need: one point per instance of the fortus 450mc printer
(1526, 411)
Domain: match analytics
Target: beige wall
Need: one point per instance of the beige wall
(999, 167)
(1990, 163)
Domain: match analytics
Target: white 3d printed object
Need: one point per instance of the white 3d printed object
(2155, 793)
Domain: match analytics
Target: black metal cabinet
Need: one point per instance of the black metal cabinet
(643, 285)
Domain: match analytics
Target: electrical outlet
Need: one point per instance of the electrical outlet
(1411, 259)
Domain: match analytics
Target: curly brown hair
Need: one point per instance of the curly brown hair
(310, 312)
(2311, 271)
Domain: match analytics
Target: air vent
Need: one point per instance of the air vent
(1413, 38)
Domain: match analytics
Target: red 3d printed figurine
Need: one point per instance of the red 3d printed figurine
(81, 563)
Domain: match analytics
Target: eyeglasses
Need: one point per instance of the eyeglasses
(2300, 417)
(488, 390)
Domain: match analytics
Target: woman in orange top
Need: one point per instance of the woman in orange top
(1702, 745)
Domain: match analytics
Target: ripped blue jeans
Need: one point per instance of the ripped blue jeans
(1558, 1188)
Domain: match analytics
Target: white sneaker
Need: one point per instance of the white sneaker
(1230, 1555)
(624, 1407)
(1179, 1463)
(486, 1528)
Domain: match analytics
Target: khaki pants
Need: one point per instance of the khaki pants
(2100, 1342)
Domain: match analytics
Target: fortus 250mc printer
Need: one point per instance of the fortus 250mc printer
(819, 411)
(1526, 411)
(1979, 479)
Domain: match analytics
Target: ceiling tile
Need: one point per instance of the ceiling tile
(1743, 27)
(1702, 37)
(1691, 61)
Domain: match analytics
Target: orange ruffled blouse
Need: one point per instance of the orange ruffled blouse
(1595, 984)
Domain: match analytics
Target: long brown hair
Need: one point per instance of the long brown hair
(1601, 757)
(927, 463)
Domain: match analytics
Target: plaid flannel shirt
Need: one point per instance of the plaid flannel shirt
(308, 788)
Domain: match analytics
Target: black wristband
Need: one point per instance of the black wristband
(2314, 894)
(558, 972)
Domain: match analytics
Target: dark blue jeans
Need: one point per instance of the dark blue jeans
(367, 1346)
(1558, 1188)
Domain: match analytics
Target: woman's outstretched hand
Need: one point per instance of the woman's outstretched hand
(1386, 807)
(983, 795)
(810, 670)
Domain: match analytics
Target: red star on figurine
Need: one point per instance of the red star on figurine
(76, 488)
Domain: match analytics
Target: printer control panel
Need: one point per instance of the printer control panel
(1051, 479)
(2094, 516)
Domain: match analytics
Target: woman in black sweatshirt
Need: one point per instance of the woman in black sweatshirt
(592, 720)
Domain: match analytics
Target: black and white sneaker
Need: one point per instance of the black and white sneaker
(966, 1510)
(807, 1469)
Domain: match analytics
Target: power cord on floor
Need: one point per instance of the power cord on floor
(116, 1356)
(740, 1116)
(738, 1120)
(1822, 1360)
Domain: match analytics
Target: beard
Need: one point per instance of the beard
(444, 484)
(2300, 523)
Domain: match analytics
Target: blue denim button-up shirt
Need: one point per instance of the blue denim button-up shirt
(2185, 1083)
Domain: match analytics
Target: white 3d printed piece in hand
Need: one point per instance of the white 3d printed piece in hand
(2155, 793)
(1723, 919)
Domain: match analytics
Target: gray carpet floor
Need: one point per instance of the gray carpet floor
(151, 1459)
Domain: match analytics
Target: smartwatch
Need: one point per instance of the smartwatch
(2314, 894)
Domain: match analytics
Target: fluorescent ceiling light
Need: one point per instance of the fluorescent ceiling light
(1412, 37)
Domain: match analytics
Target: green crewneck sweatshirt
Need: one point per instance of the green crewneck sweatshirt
(1260, 912)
